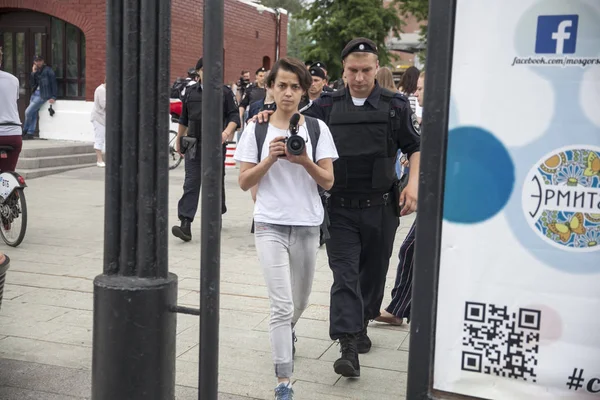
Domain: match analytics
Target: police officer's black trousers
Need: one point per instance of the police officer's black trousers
(359, 251)
(188, 204)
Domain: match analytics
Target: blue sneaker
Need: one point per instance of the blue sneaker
(284, 392)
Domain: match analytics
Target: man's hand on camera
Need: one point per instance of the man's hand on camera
(262, 116)
(277, 148)
(302, 159)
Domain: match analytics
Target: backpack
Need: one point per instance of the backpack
(177, 87)
(312, 125)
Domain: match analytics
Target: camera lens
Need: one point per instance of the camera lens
(295, 145)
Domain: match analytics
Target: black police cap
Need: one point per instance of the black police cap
(359, 45)
(316, 71)
(318, 64)
(199, 64)
(261, 69)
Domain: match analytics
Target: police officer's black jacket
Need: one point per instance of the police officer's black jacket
(367, 138)
(191, 112)
(253, 94)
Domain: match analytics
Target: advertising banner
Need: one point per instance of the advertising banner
(518, 306)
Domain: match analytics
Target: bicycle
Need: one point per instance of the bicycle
(13, 207)
(174, 157)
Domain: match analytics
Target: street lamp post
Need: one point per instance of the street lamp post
(134, 327)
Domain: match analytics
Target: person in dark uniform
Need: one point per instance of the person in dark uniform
(190, 124)
(368, 124)
(320, 64)
(254, 92)
(319, 80)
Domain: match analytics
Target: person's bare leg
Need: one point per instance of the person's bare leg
(99, 156)
(389, 318)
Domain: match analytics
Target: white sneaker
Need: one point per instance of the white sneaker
(101, 164)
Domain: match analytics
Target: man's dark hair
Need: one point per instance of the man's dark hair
(244, 71)
(294, 66)
(408, 82)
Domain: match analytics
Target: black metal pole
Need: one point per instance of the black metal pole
(431, 197)
(212, 169)
(134, 326)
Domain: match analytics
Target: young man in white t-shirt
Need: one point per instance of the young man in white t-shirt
(288, 211)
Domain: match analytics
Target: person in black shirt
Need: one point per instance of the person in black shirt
(254, 92)
(368, 124)
(190, 124)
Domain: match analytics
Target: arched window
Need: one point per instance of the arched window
(266, 63)
(68, 59)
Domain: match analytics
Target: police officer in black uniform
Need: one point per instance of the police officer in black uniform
(368, 124)
(190, 124)
(254, 92)
(320, 64)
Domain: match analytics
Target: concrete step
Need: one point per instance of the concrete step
(42, 148)
(55, 161)
(39, 172)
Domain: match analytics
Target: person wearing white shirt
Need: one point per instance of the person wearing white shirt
(288, 211)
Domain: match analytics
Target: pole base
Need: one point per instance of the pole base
(134, 338)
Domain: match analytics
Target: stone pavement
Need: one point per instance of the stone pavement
(46, 315)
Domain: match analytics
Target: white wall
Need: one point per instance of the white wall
(70, 122)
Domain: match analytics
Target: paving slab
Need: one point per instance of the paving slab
(46, 317)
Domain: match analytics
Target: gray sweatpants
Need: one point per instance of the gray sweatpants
(288, 255)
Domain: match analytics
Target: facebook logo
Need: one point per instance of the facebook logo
(556, 34)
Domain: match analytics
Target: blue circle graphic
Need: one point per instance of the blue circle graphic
(480, 176)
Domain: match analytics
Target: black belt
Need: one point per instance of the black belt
(9, 124)
(349, 202)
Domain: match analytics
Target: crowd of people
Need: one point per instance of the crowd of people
(322, 164)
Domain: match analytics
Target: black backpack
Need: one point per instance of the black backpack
(177, 87)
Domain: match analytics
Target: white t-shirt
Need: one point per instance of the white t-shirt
(358, 102)
(287, 194)
(9, 111)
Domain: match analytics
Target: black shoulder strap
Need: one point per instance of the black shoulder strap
(260, 132)
(387, 95)
(314, 132)
(339, 94)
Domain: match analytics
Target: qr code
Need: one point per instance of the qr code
(496, 341)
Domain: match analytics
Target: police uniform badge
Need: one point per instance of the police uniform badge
(415, 123)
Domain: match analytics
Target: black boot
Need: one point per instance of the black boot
(183, 232)
(363, 343)
(347, 365)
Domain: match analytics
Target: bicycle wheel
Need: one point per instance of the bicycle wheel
(13, 215)
(174, 157)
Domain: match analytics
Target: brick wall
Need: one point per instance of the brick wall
(243, 50)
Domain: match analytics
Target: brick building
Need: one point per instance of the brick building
(71, 34)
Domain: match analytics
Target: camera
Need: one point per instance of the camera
(295, 145)
(243, 84)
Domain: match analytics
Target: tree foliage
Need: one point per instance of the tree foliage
(333, 23)
(420, 10)
(292, 6)
(297, 30)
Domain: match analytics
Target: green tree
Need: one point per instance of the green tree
(297, 29)
(292, 6)
(334, 23)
